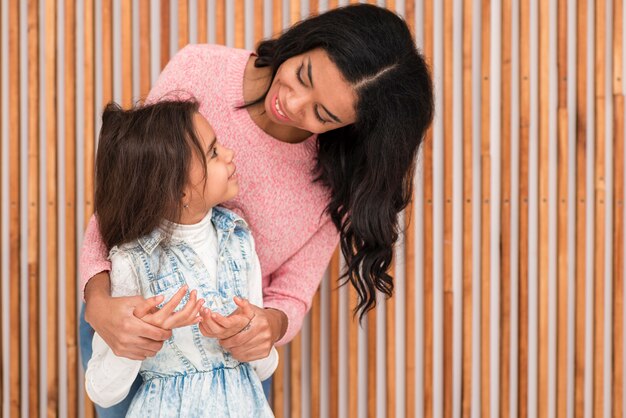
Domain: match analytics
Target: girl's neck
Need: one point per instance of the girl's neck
(189, 217)
(255, 84)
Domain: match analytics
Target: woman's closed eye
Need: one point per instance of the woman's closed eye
(316, 107)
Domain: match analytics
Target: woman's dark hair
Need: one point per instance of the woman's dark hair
(368, 166)
(142, 167)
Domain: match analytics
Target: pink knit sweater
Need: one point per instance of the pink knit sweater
(284, 208)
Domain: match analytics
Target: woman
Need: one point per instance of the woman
(326, 121)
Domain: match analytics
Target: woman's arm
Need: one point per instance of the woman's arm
(287, 299)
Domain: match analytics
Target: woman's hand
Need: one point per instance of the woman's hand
(115, 321)
(249, 333)
(166, 318)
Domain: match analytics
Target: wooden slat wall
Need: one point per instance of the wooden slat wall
(512, 260)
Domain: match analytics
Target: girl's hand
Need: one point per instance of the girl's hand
(115, 321)
(255, 340)
(166, 318)
(217, 326)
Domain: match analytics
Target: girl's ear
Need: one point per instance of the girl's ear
(184, 201)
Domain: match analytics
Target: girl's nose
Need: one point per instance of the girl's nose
(229, 154)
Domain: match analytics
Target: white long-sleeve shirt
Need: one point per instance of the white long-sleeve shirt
(108, 378)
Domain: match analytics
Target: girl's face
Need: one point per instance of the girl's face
(221, 179)
(309, 93)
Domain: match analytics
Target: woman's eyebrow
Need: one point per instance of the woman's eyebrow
(335, 118)
(310, 73)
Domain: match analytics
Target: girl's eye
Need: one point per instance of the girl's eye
(214, 152)
(299, 74)
(319, 118)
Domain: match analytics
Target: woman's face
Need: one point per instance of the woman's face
(309, 93)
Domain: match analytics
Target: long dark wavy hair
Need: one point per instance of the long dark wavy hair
(368, 166)
(142, 167)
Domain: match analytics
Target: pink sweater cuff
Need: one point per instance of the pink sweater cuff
(295, 316)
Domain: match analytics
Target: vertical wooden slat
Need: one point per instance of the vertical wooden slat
(33, 207)
(428, 232)
(165, 32)
(448, 233)
(618, 261)
(295, 371)
(278, 384)
(581, 195)
(618, 211)
(485, 258)
(524, 141)
(563, 214)
(90, 106)
(331, 4)
(89, 136)
(240, 23)
(220, 22)
(353, 349)
(107, 51)
(599, 211)
(371, 364)
(277, 14)
(258, 21)
(127, 53)
(466, 402)
(315, 360)
(183, 23)
(390, 358)
(294, 11)
(144, 47)
(51, 204)
(202, 22)
(544, 255)
(14, 75)
(333, 325)
(505, 205)
(409, 259)
(71, 338)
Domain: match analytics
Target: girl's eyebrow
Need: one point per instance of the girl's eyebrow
(310, 74)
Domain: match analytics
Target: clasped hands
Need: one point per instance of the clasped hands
(136, 328)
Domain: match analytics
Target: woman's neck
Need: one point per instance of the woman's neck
(255, 83)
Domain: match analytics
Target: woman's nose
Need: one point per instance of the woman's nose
(297, 101)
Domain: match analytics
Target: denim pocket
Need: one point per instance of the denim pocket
(168, 285)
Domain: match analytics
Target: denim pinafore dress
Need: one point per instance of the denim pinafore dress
(192, 376)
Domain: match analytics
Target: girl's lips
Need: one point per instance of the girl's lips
(278, 110)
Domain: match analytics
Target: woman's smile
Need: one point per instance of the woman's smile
(278, 110)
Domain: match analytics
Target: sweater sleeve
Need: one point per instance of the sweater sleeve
(293, 285)
(93, 254)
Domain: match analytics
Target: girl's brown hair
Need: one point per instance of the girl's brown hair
(142, 167)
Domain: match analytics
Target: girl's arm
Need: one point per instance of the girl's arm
(114, 318)
(287, 299)
(108, 377)
(264, 367)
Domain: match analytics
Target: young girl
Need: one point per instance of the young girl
(160, 174)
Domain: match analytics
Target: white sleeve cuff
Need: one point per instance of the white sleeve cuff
(265, 367)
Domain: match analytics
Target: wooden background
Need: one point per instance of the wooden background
(510, 277)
